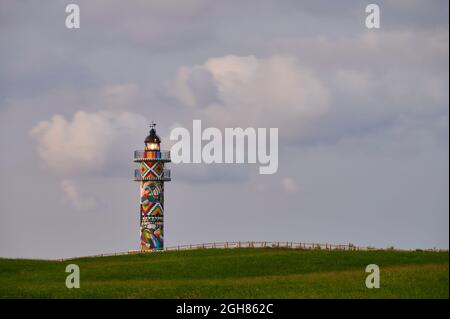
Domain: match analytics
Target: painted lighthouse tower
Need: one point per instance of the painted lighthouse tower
(152, 175)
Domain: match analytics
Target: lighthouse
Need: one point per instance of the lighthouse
(151, 175)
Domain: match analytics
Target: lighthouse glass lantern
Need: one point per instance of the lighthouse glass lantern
(152, 175)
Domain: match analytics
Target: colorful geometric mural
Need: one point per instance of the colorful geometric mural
(152, 154)
(152, 170)
(151, 175)
(152, 236)
(152, 199)
(152, 212)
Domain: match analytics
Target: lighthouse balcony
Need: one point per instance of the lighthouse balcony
(165, 176)
(142, 156)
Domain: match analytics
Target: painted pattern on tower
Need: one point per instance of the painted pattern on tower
(152, 209)
(152, 236)
(152, 175)
(152, 200)
(152, 169)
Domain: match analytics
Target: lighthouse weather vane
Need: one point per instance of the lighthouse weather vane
(152, 175)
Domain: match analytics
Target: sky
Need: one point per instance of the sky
(363, 119)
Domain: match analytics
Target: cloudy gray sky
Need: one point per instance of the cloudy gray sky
(362, 117)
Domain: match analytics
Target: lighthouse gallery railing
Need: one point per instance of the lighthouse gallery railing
(165, 176)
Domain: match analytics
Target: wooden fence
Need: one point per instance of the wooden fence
(266, 244)
(250, 244)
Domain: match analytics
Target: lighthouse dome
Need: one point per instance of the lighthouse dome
(152, 141)
(152, 137)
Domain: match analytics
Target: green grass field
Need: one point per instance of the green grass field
(233, 273)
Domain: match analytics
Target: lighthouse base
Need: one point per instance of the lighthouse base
(152, 233)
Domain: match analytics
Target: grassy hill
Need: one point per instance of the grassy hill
(233, 273)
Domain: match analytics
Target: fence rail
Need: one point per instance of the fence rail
(254, 244)
(266, 244)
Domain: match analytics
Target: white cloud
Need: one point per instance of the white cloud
(246, 91)
(314, 106)
(84, 143)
